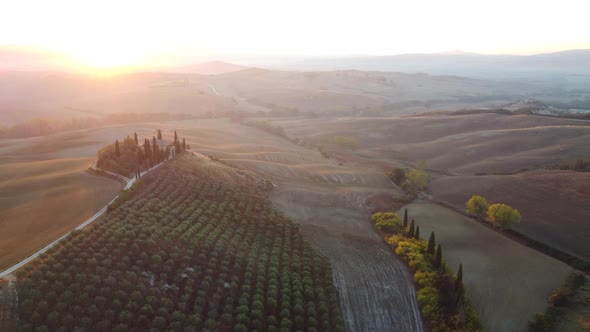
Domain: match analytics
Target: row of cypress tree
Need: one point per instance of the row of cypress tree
(151, 154)
(414, 232)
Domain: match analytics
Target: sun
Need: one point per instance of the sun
(109, 59)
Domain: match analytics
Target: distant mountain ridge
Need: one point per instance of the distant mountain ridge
(570, 62)
(208, 68)
(457, 63)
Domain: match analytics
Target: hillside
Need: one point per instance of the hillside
(66, 96)
(214, 256)
(363, 92)
(485, 154)
(552, 203)
(457, 63)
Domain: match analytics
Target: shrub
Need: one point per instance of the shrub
(387, 222)
(477, 205)
(347, 142)
(503, 216)
(416, 179)
(398, 175)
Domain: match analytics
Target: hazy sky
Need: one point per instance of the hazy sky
(118, 32)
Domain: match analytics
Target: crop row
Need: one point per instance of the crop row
(186, 252)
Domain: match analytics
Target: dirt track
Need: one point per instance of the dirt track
(371, 282)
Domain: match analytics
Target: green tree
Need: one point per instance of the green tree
(398, 175)
(405, 225)
(136, 139)
(477, 205)
(503, 216)
(431, 243)
(156, 150)
(417, 233)
(417, 179)
(117, 150)
(159, 134)
(387, 221)
(459, 280)
(438, 257)
(175, 137)
(412, 229)
(148, 152)
(540, 323)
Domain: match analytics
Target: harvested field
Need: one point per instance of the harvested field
(563, 218)
(43, 200)
(465, 144)
(45, 190)
(507, 282)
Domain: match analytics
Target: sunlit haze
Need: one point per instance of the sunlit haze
(106, 34)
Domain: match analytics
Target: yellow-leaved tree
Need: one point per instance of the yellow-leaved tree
(477, 205)
(503, 216)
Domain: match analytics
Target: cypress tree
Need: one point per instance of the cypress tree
(431, 243)
(405, 218)
(117, 151)
(459, 280)
(412, 229)
(156, 153)
(177, 146)
(438, 258)
(417, 233)
(183, 144)
(148, 153)
(175, 137)
(159, 134)
(136, 140)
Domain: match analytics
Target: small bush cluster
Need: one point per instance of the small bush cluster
(578, 165)
(346, 142)
(499, 214)
(387, 222)
(120, 158)
(268, 127)
(410, 180)
(560, 299)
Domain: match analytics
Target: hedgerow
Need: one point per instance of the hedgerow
(440, 294)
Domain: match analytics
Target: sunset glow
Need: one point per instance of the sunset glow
(115, 34)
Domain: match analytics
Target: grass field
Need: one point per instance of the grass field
(507, 282)
(41, 201)
(554, 204)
